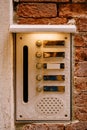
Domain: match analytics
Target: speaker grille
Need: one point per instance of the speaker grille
(49, 105)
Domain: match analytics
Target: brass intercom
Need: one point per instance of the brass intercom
(43, 76)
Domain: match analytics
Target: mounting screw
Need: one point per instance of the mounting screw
(65, 37)
(20, 116)
(66, 115)
(21, 38)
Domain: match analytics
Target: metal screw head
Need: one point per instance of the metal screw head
(65, 37)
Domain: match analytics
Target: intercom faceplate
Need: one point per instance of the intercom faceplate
(43, 74)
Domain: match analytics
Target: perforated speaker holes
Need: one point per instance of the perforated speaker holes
(49, 105)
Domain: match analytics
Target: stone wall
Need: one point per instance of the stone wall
(63, 12)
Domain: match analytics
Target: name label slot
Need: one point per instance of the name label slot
(54, 77)
(53, 66)
(56, 43)
(54, 88)
(53, 54)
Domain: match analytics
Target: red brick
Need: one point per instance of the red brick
(37, 10)
(42, 20)
(80, 54)
(77, 126)
(35, 127)
(44, 127)
(81, 113)
(82, 24)
(80, 99)
(81, 69)
(73, 10)
(44, 0)
(79, 1)
(80, 40)
(55, 126)
(80, 83)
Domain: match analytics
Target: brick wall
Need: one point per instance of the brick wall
(63, 12)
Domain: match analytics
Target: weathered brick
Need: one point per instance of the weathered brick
(80, 40)
(77, 126)
(37, 10)
(80, 99)
(42, 20)
(80, 106)
(35, 127)
(80, 54)
(79, 0)
(73, 10)
(80, 113)
(44, 127)
(44, 0)
(55, 126)
(81, 69)
(81, 24)
(80, 83)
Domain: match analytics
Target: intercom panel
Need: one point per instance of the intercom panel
(43, 76)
